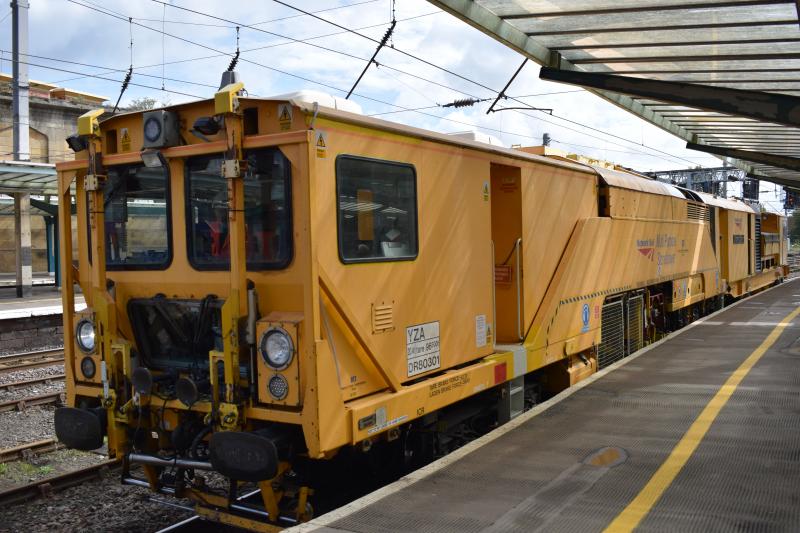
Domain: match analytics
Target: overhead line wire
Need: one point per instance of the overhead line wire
(257, 23)
(111, 70)
(48, 67)
(286, 4)
(319, 46)
(258, 48)
(327, 85)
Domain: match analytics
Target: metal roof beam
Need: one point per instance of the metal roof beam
(484, 20)
(708, 70)
(778, 108)
(644, 9)
(687, 59)
(638, 29)
(660, 44)
(782, 161)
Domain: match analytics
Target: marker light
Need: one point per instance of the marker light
(277, 348)
(84, 335)
(152, 129)
(88, 367)
(278, 387)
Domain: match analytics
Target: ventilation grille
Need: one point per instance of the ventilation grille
(758, 243)
(382, 317)
(634, 324)
(697, 212)
(612, 345)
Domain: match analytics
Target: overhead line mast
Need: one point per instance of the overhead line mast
(21, 89)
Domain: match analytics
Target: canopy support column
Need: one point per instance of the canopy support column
(22, 244)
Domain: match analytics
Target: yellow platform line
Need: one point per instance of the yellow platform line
(637, 509)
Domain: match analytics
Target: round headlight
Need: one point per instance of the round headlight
(88, 367)
(278, 387)
(84, 335)
(152, 129)
(277, 348)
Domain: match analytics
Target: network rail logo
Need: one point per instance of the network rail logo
(646, 247)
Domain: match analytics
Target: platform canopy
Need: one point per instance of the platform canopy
(722, 74)
(27, 177)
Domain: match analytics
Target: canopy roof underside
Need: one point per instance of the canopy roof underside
(752, 45)
(26, 177)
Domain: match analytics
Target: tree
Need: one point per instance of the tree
(142, 104)
(794, 226)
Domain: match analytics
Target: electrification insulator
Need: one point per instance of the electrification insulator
(464, 102)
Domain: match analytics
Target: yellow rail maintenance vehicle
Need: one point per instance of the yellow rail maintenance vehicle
(291, 297)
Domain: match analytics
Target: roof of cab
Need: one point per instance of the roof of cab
(725, 203)
(626, 180)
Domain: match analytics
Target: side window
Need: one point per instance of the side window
(137, 228)
(377, 211)
(268, 220)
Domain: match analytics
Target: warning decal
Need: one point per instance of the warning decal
(321, 143)
(480, 331)
(125, 140)
(285, 116)
(422, 348)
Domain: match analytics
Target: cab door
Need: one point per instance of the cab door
(506, 195)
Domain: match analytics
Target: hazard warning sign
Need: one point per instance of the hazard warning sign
(321, 143)
(285, 116)
(125, 140)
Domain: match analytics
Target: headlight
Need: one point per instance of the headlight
(84, 335)
(278, 387)
(88, 367)
(152, 129)
(277, 348)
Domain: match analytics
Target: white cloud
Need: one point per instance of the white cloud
(64, 30)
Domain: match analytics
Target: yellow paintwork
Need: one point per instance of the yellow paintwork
(473, 201)
(88, 124)
(225, 100)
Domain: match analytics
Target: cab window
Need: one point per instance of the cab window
(267, 196)
(137, 227)
(377, 211)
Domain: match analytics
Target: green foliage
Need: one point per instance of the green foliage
(3, 468)
(142, 104)
(794, 226)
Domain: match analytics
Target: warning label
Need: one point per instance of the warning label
(480, 331)
(285, 116)
(125, 140)
(321, 143)
(422, 348)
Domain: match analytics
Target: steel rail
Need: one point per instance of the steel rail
(20, 404)
(28, 360)
(21, 451)
(51, 484)
(28, 382)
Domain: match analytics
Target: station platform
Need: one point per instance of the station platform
(44, 300)
(697, 432)
(39, 278)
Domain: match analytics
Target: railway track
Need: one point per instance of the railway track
(13, 385)
(28, 360)
(23, 451)
(20, 404)
(55, 483)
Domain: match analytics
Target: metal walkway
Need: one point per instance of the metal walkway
(631, 448)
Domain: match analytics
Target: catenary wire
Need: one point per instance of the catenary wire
(450, 72)
(264, 47)
(257, 23)
(122, 17)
